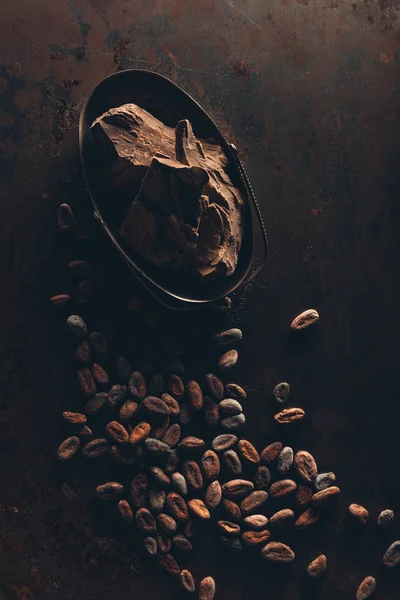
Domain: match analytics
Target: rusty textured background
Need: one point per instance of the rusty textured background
(310, 91)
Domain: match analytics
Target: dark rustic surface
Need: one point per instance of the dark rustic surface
(310, 92)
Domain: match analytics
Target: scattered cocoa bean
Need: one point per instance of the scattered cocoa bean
(232, 509)
(176, 387)
(194, 396)
(307, 518)
(248, 452)
(316, 569)
(83, 353)
(65, 218)
(213, 495)
(160, 476)
(187, 581)
(95, 404)
(282, 518)
(77, 326)
(210, 465)
(199, 509)
(253, 502)
(256, 522)
(214, 386)
(172, 404)
(128, 411)
(191, 444)
(271, 453)
(230, 407)
(262, 477)
(224, 442)
(305, 466)
(156, 500)
(164, 543)
(160, 430)
(169, 564)
(233, 423)
(193, 476)
(85, 291)
(145, 521)
(237, 488)
(303, 495)
(305, 319)
(211, 412)
(366, 588)
(109, 490)
(385, 519)
(230, 336)
(228, 360)
(117, 432)
(84, 432)
(86, 382)
(324, 496)
(100, 376)
(391, 558)
(98, 343)
(138, 490)
(125, 510)
(177, 507)
(277, 552)
(167, 524)
(68, 448)
(156, 449)
(155, 409)
(173, 462)
(282, 391)
(228, 528)
(96, 448)
(124, 369)
(232, 462)
(289, 415)
(359, 513)
(150, 546)
(256, 538)
(181, 543)
(172, 435)
(285, 460)
(75, 419)
(235, 391)
(207, 589)
(179, 483)
(324, 480)
(139, 433)
(282, 488)
(137, 386)
(116, 395)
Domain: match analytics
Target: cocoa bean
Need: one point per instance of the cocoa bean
(173, 462)
(156, 500)
(100, 376)
(150, 545)
(210, 465)
(391, 558)
(385, 519)
(191, 444)
(233, 423)
(116, 395)
(232, 510)
(228, 360)
(262, 478)
(98, 343)
(172, 404)
(194, 396)
(160, 430)
(179, 482)
(164, 543)
(128, 411)
(199, 509)
(138, 490)
(224, 442)
(211, 412)
(220, 306)
(139, 433)
(172, 435)
(271, 453)
(282, 518)
(160, 476)
(307, 518)
(366, 588)
(228, 528)
(75, 419)
(117, 432)
(256, 538)
(213, 495)
(124, 369)
(122, 455)
(305, 319)
(324, 480)
(231, 543)
(230, 407)
(145, 521)
(207, 589)
(77, 326)
(84, 432)
(237, 488)
(214, 386)
(289, 415)
(167, 524)
(324, 496)
(86, 382)
(232, 462)
(282, 391)
(169, 564)
(68, 449)
(125, 510)
(359, 513)
(176, 387)
(316, 569)
(228, 337)
(193, 476)
(83, 353)
(177, 507)
(305, 466)
(157, 450)
(65, 218)
(109, 490)
(235, 391)
(185, 416)
(80, 269)
(285, 460)
(96, 448)
(256, 522)
(181, 543)
(154, 410)
(276, 552)
(137, 386)
(253, 502)
(303, 495)
(187, 581)
(248, 452)
(281, 489)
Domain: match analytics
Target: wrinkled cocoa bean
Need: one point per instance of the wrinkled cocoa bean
(232, 510)
(255, 522)
(83, 353)
(366, 588)
(145, 521)
(167, 524)
(154, 410)
(194, 396)
(228, 528)
(305, 319)
(305, 466)
(150, 546)
(191, 444)
(75, 419)
(193, 476)
(307, 518)
(109, 490)
(359, 513)
(282, 518)
(199, 509)
(179, 482)
(271, 453)
(86, 382)
(281, 489)
(237, 488)
(213, 495)
(128, 411)
(117, 432)
(277, 552)
(77, 326)
(172, 435)
(324, 480)
(289, 415)
(385, 519)
(285, 460)
(210, 465)
(139, 433)
(177, 507)
(172, 404)
(248, 452)
(232, 462)
(68, 449)
(96, 448)
(176, 387)
(281, 392)
(391, 558)
(138, 490)
(125, 510)
(214, 386)
(233, 423)
(235, 391)
(224, 442)
(324, 496)
(169, 564)
(230, 407)
(316, 569)
(116, 395)
(253, 502)
(187, 581)
(160, 476)
(228, 337)
(256, 538)
(137, 386)
(211, 412)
